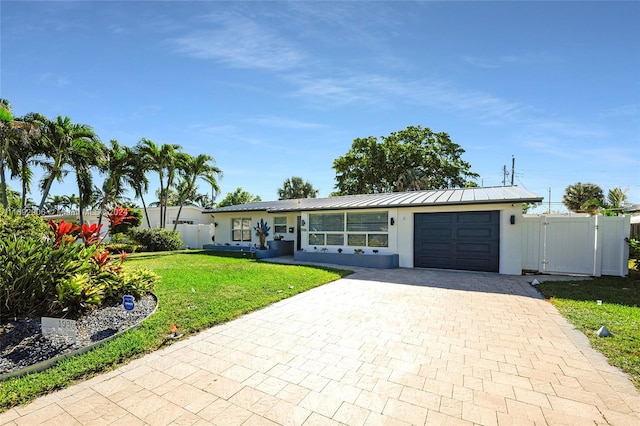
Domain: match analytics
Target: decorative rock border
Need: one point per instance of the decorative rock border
(43, 365)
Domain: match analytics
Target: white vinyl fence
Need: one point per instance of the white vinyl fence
(592, 245)
(195, 236)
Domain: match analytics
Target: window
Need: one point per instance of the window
(362, 229)
(326, 222)
(241, 229)
(335, 239)
(280, 225)
(316, 239)
(364, 222)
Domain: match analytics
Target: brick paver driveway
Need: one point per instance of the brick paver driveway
(380, 347)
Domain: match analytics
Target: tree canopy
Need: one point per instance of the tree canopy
(412, 159)
(583, 197)
(239, 196)
(294, 188)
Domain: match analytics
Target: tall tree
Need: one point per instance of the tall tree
(85, 156)
(60, 138)
(583, 197)
(116, 166)
(191, 169)
(616, 197)
(239, 196)
(137, 177)
(164, 161)
(415, 158)
(6, 129)
(24, 151)
(294, 188)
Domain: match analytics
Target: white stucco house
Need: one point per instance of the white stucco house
(476, 229)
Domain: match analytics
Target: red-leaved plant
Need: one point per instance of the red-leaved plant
(62, 232)
(119, 215)
(90, 234)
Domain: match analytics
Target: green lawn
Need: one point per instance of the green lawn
(197, 291)
(619, 312)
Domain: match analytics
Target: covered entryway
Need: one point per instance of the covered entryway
(457, 240)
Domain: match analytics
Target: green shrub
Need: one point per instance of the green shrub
(30, 271)
(77, 294)
(26, 227)
(46, 270)
(156, 239)
(634, 251)
(138, 283)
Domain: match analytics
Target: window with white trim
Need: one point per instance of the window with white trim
(360, 229)
(280, 224)
(241, 229)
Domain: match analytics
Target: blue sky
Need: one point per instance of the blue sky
(280, 89)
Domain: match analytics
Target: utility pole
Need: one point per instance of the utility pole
(505, 173)
(549, 211)
(513, 168)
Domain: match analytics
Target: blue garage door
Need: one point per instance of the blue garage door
(465, 240)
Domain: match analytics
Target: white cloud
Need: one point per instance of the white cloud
(241, 43)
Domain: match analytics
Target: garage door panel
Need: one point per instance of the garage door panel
(473, 248)
(474, 233)
(462, 240)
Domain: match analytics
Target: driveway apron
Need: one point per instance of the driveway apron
(388, 347)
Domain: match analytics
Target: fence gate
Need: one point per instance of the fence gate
(576, 245)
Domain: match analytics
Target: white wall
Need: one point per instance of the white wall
(223, 227)
(188, 213)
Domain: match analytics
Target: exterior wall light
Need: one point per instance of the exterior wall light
(392, 221)
(512, 219)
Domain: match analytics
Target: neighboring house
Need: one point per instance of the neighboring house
(634, 211)
(189, 215)
(469, 229)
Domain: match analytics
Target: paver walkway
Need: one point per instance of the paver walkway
(379, 347)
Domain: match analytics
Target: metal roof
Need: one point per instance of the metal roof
(462, 196)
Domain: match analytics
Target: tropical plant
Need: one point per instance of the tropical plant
(583, 197)
(47, 272)
(86, 154)
(60, 138)
(163, 160)
(239, 196)
(117, 165)
(294, 188)
(616, 197)
(262, 232)
(137, 176)
(23, 151)
(415, 158)
(191, 169)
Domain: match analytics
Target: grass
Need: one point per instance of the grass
(197, 291)
(619, 312)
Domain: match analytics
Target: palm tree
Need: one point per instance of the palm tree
(23, 153)
(617, 197)
(164, 161)
(295, 188)
(60, 138)
(85, 155)
(137, 177)
(117, 166)
(192, 168)
(6, 130)
(55, 202)
(576, 195)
